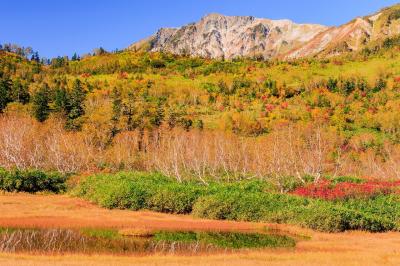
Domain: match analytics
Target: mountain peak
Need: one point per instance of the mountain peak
(215, 16)
(212, 16)
(220, 36)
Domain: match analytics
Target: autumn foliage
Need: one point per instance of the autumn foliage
(328, 190)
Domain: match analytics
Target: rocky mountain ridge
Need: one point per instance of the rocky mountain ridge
(219, 36)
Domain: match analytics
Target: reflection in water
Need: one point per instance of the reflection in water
(105, 241)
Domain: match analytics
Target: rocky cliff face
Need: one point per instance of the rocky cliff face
(218, 36)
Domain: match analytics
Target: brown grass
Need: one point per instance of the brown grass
(44, 211)
(350, 248)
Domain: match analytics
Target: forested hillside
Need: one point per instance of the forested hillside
(189, 116)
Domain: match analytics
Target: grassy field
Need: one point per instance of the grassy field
(349, 248)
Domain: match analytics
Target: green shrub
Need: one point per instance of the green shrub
(32, 181)
(122, 191)
(315, 214)
(214, 207)
(153, 191)
(386, 207)
(174, 198)
(248, 207)
(349, 179)
(240, 201)
(139, 191)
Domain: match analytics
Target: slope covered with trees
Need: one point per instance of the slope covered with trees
(189, 116)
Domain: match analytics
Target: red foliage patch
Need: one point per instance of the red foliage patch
(284, 105)
(338, 62)
(123, 75)
(85, 75)
(327, 190)
(269, 107)
(251, 69)
(239, 105)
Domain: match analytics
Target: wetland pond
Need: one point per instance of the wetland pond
(136, 241)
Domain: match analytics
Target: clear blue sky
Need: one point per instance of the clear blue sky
(62, 27)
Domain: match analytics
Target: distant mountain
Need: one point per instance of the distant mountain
(352, 36)
(219, 36)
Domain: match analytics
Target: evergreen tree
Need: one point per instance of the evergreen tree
(61, 102)
(5, 93)
(75, 57)
(130, 111)
(41, 100)
(379, 85)
(99, 51)
(35, 57)
(117, 110)
(332, 84)
(199, 124)
(159, 114)
(20, 92)
(76, 107)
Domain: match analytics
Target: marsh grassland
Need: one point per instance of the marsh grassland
(312, 248)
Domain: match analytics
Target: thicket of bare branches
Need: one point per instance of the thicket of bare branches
(295, 151)
(25, 143)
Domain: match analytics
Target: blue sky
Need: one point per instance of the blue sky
(62, 27)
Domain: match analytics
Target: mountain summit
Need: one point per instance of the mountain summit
(219, 36)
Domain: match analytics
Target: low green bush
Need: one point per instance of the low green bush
(240, 201)
(350, 179)
(32, 181)
(282, 208)
(156, 192)
(174, 198)
(330, 217)
(217, 207)
(387, 207)
(257, 206)
(122, 191)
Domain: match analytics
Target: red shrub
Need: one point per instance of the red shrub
(269, 107)
(326, 190)
(85, 75)
(284, 105)
(123, 75)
